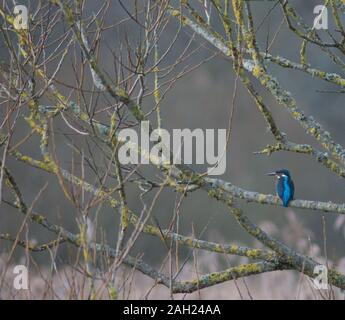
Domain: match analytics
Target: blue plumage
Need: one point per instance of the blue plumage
(284, 187)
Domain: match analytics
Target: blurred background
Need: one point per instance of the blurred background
(202, 99)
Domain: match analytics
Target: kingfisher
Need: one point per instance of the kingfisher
(284, 187)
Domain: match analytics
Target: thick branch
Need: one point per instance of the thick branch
(251, 196)
(284, 97)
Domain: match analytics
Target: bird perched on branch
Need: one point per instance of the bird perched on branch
(284, 187)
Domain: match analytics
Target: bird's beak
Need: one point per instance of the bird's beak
(271, 174)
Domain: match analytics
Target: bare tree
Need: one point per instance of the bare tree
(36, 100)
